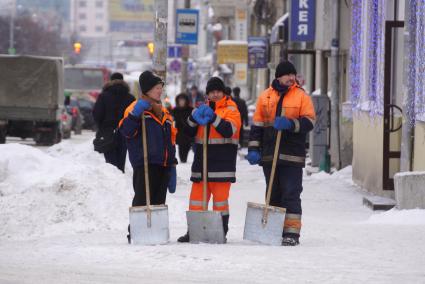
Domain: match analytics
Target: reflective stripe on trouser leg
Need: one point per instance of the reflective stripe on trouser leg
(195, 203)
(292, 223)
(220, 192)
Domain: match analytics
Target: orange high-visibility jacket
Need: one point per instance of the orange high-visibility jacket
(223, 138)
(298, 107)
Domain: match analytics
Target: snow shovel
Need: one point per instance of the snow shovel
(264, 223)
(148, 224)
(205, 226)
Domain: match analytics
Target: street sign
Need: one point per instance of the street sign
(257, 52)
(187, 21)
(11, 51)
(174, 51)
(303, 20)
(175, 66)
(232, 51)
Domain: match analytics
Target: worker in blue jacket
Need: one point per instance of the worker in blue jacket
(160, 138)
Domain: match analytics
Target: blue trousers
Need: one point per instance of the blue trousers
(287, 187)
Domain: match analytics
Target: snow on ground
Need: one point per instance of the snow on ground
(64, 215)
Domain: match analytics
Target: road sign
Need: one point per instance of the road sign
(303, 20)
(175, 66)
(12, 51)
(187, 21)
(174, 51)
(232, 51)
(257, 52)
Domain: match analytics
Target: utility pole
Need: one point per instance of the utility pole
(185, 58)
(160, 38)
(409, 95)
(335, 123)
(12, 28)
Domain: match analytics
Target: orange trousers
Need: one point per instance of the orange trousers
(220, 192)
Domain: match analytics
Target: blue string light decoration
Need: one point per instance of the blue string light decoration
(375, 52)
(356, 53)
(417, 24)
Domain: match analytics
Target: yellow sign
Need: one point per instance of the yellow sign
(131, 15)
(232, 52)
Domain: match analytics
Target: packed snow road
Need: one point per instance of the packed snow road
(64, 216)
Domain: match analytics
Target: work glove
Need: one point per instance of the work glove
(199, 114)
(253, 157)
(173, 180)
(283, 123)
(140, 107)
(209, 114)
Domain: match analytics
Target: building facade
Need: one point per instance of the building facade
(387, 91)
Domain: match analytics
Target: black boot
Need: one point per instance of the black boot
(225, 219)
(290, 240)
(184, 239)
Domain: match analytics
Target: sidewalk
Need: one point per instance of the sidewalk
(342, 241)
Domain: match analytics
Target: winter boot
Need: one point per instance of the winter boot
(290, 240)
(225, 219)
(184, 238)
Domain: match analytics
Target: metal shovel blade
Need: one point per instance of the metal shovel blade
(155, 234)
(269, 233)
(205, 227)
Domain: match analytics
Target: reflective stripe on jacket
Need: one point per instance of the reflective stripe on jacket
(223, 137)
(160, 135)
(299, 109)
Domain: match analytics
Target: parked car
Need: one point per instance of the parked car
(66, 124)
(73, 109)
(86, 108)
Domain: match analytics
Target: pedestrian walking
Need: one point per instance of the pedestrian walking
(297, 120)
(181, 112)
(160, 139)
(107, 112)
(243, 110)
(220, 118)
(196, 98)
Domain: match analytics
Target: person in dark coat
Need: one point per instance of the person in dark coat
(180, 113)
(196, 98)
(243, 110)
(107, 112)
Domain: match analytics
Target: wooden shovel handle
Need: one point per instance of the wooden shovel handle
(146, 169)
(271, 180)
(204, 169)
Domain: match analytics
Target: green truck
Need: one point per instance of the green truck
(31, 98)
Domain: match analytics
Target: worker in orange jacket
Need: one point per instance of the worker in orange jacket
(298, 119)
(221, 118)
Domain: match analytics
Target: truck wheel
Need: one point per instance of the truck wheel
(2, 136)
(48, 138)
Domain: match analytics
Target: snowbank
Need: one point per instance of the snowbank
(66, 189)
(399, 217)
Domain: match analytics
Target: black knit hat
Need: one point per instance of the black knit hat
(215, 84)
(117, 76)
(148, 80)
(285, 68)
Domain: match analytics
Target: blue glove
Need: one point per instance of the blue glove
(253, 157)
(199, 114)
(140, 107)
(173, 180)
(209, 114)
(282, 123)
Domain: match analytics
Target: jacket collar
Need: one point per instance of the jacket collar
(221, 103)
